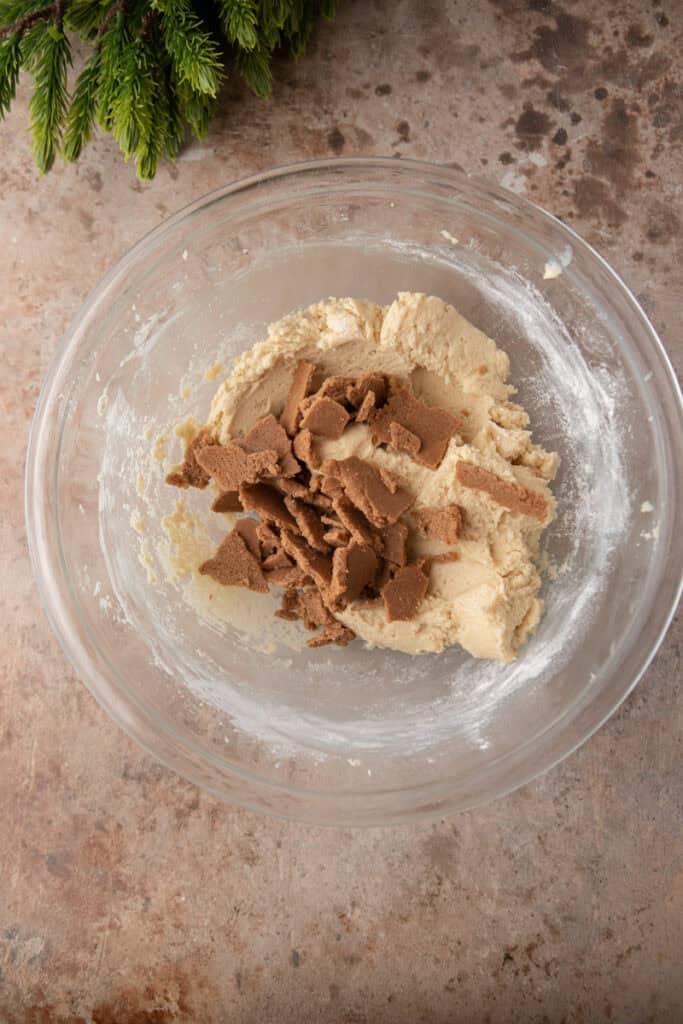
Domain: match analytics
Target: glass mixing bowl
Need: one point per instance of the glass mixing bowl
(354, 736)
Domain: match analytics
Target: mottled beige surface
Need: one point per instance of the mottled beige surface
(126, 896)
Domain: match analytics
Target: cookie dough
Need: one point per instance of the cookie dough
(479, 497)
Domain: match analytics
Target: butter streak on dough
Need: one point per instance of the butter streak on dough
(486, 601)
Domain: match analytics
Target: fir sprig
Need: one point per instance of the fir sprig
(154, 69)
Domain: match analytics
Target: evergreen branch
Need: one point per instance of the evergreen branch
(153, 70)
(112, 44)
(132, 109)
(81, 116)
(22, 25)
(50, 61)
(197, 109)
(254, 66)
(240, 22)
(10, 66)
(195, 53)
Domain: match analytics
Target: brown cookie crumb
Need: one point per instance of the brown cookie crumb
(268, 434)
(313, 610)
(434, 427)
(248, 531)
(337, 536)
(277, 560)
(287, 576)
(439, 523)
(298, 389)
(310, 561)
(229, 501)
(404, 593)
(353, 520)
(326, 418)
(270, 540)
(309, 524)
(404, 440)
(230, 465)
(514, 497)
(233, 565)
(190, 473)
(366, 407)
(336, 634)
(375, 383)
(267, 503)
(395, 538)
(304, 449)
(353, 569)
(367, 489)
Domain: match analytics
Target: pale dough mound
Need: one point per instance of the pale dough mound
(487, 600)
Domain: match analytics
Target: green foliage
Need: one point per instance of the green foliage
(10, 66)
(50, 59)
(240, 21)
(154, 68)
(195, 54)
(81, 116)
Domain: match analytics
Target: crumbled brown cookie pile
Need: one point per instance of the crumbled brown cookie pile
(329, 532)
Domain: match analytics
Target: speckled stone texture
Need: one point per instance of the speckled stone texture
(129, 897)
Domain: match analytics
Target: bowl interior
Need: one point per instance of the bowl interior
(221, 689)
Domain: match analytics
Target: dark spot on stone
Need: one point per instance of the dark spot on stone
(536, 80)
(238, 980)
(383, 90)
(484, 160)
(423, 75)
(506, 158)
(663, 226)
(334, 992)
(575, 118)
(594, 201)
(617, 67)
(614, 155)
(295, 957)
(661, 19)
(600, 93)
(95, 180)
(666, 108)
(508, 90)
(336, 140)
(557, 100)
(562, 50)
(637, 256)
(531, 126)
(543, 6)
(11, 934)
(355, 94)
(650, 174)
(403, 131)
(564, 160)
(560, 137)
(56, 866)
(637, 36)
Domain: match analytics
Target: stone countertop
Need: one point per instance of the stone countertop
(129, 897)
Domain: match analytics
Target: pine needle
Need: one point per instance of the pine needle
(81, 116)
(195, 54)
(51, 57)
(10, 66)
(255, 68)
(240, 21)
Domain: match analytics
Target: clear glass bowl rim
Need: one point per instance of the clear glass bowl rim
(257, 793)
